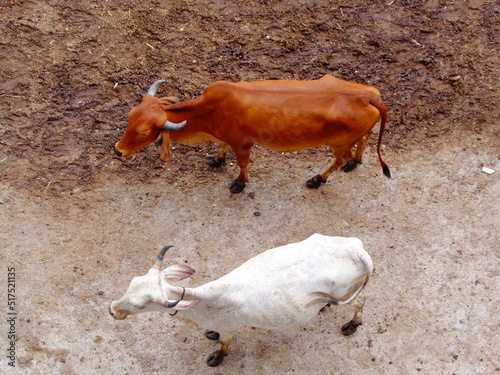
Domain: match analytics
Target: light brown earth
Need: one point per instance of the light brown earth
(78, 223)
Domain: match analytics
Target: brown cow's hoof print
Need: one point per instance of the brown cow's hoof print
(215, 359)
(236, 187)
(349, 328)
(315, 182)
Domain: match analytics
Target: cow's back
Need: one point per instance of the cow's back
(327, 82)
(312, 265)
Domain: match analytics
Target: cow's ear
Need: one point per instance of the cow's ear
(167, 100)
(186, 304)
(176, 273)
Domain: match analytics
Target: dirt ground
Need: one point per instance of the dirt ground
(78, 222)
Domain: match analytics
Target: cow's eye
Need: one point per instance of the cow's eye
(143, 135)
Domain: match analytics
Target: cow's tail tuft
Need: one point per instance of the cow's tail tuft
(386, 170)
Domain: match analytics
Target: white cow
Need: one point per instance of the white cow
(279, 289)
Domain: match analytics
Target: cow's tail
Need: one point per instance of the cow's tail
(368, 268)
(379, 104)
(325, 298)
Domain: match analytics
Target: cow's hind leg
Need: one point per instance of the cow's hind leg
(351, 327)
(340, 156)
(242, 152)
(360, 148)
(217, 160)
(216, 358)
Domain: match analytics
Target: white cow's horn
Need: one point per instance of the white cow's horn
(174, 303)
(159, 258)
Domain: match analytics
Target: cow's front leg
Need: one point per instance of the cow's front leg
(242, 152)
(216, 358)
(219, 159)
(163, 144)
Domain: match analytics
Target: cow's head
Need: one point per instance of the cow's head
(146, 122)
(150, 292)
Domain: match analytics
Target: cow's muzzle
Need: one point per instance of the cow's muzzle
(114, 315)
(111, 311)
(118, 153)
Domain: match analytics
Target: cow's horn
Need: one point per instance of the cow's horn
(173, 304)
(154, 87)
(159, 258)
(172, 126)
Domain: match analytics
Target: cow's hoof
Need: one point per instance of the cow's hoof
(315, 182)
(236, 187)
(349, 328)
(350, 165)
(212, 335)
(212, 161)
(215, 359)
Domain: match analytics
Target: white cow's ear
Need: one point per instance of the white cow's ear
(176, 273)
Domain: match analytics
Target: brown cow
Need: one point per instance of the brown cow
(282, 115)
